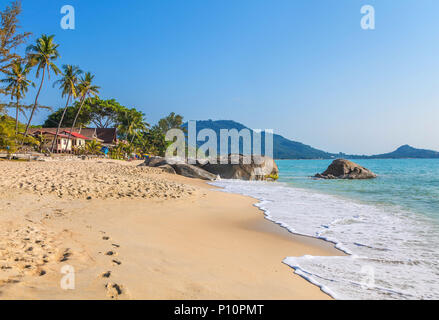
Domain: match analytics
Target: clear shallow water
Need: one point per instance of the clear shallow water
(389, 226)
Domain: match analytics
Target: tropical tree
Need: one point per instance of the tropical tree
(93, 147)
(54, 118)
(154, 141)
(7, 137)
(17, 86)
(117, 152)
(10, 39)
(42, 54)
(131, 123)
(172, 121)
(68, 85)
(86, 89)
(104, 113)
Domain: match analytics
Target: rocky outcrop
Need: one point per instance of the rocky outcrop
(255, 168)
(168, 169)
(191, 171)
(161, 161)
(345, 169)
(178, 166)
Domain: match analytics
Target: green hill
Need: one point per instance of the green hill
(282, 147)
(408, 152)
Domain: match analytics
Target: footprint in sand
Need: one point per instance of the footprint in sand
(65, 255)
(116, 262)
(113, 290)
(111, 253)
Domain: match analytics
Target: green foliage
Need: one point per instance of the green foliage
(131, 124)
(54, 118)
(153, 142)
(102, 114)
(172, 121)
(122, 150)
(17, 86)
(42, 54)
(273, 176)
(69, 81)
(117, 153)
(7, 137)
(9, 140)
(10, 39)
(16, 80)
(93, 147)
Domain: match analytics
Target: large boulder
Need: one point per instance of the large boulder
(168, 169)
(191, 171)
(345, 169)
(161, 161)
(252, 168)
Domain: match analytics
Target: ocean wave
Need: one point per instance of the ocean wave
(392, 253)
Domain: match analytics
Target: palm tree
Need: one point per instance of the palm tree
(172, 121)
(93, 147)
(42, 54)
(68, 86)
(132, 121)
(86, 89)
(18, 85)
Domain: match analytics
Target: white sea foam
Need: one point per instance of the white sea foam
(393, 254)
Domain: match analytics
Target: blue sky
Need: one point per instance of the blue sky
(304, 68)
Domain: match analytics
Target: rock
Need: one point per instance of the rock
(255, 168)
(161, 161)
(191, 171)
(345, 169)
(168, 169)
(153, 162)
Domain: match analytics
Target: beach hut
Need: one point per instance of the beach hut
(62, 142)
(78, 140)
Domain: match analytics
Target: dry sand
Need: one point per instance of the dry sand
(138, 233)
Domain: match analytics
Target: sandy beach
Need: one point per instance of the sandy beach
(133, 232)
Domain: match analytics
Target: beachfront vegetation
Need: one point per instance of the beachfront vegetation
(10, 38)
(83, 106)
(67, 85)
(9, 140)
(17, 85)
(42, 55)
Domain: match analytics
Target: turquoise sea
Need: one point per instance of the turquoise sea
(388, 227)
(412, 184)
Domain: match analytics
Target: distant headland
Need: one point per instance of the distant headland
(284, 148)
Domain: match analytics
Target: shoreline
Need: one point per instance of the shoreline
(205, 245)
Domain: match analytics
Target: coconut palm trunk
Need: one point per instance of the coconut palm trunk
(34, 107)
(16, 116)
(60, 122)
(74, 121)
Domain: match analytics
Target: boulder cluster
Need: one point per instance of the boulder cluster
(233, 166)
